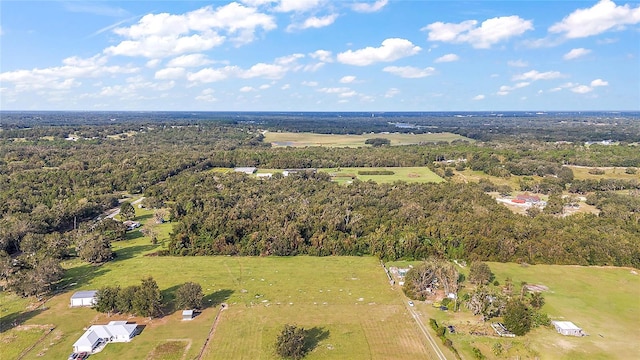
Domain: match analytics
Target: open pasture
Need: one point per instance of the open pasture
(408, 174)
(603, 301)
(583, 173)
(283, 139)
(345, 302)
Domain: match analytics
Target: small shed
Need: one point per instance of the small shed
(187, 314)
(567, 328)
(84, 298)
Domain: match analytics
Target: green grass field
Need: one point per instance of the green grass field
(346, 303)
(408, 174)
(603, 301)
(582, 173)
(311, 139)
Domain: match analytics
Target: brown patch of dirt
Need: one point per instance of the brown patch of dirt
(413, 175)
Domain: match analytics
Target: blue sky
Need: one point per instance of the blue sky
(320, 55)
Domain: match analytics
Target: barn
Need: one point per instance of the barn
(83, 298)
(567, 328)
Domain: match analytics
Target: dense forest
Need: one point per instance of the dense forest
(59, 172)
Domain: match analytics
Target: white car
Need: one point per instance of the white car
(410, 303)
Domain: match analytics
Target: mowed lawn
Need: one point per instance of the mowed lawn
(331, 140)
(346, 303)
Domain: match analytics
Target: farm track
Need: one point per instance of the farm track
(436, 349)
(213, 329)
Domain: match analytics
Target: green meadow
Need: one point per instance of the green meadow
(603, 301)
(408, 174)
(280, 139)
(346, 303)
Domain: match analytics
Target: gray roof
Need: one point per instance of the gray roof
(187, 312)
(84, 294)
(246, 170)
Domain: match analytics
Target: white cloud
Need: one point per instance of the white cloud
(576, 53)
(392, 92)
(191, 60)
(298, 5)
(322, 55)
(599, 82)
(601, 17)
(256, 3)
(289, 60)
(310, 83)
(264, 86)
(285, 87)
(348, 94)
(247, 89)
(65, 76)
(209, 75)
(153, 63)
(334, 90)
(162, 35)
(171, 73)
(506, 89)
(478, 97)
(490, 32)
(447, 58)
(314, 22)
(206, 95)
(268, 71)
(392, 49)
(536, 75)
(347, 79)
(517, 63)
(369, 7)
(313, 67)
(581, 89)
(410, 72)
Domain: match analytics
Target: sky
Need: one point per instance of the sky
(320, 55)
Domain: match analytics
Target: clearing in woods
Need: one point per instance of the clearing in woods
(283, 139)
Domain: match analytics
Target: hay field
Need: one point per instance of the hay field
(346, 302)
(407, 174)
(582, 173)
(283, 139)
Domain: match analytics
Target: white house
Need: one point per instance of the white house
(84, 298)
(96, 335)
(567, 328)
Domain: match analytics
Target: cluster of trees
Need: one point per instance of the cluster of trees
(235, 214)
(520, 309)
(54, 189)
(290, 343)
(424, 280)
(142, 300)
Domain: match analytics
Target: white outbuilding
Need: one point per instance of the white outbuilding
(567, 328)
(84, 298)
